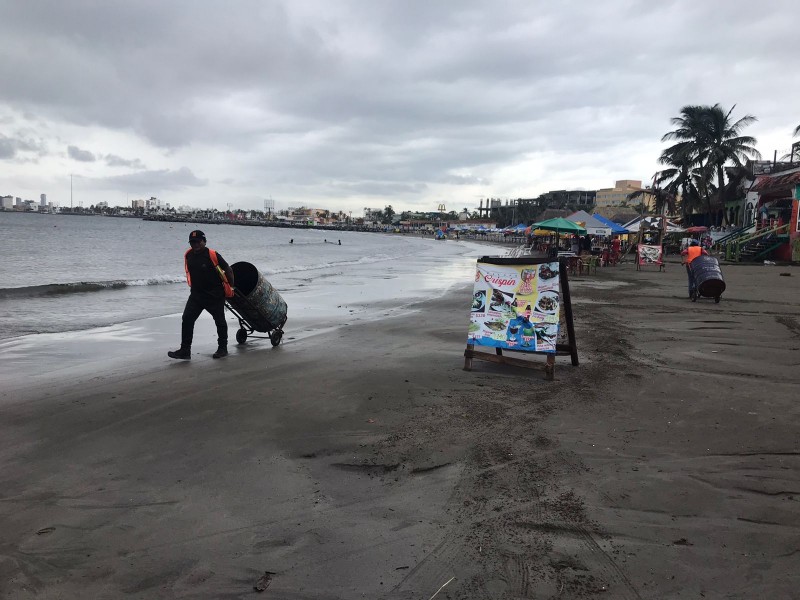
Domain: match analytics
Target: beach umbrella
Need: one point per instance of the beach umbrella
(560, 225)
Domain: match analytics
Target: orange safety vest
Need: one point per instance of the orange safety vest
(693, 252)
(213, 256)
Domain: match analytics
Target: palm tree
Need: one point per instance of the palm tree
(725, 144)
(680, 178)
(707, 139)
(796, 146)
(662, 198)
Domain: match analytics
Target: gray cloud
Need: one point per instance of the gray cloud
(12, 147)
(153, 182)
(386, 98)
(76, 153)
(7, 148)
(112, 160)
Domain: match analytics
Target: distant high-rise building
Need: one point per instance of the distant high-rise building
(42, 199)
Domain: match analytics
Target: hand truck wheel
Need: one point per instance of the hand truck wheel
(275, 337)
(241, 336)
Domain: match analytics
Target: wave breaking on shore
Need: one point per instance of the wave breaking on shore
(80, 287)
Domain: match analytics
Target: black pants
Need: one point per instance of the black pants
(196, 305)
(692, 283)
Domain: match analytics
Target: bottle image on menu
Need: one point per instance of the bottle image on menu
(527, 331)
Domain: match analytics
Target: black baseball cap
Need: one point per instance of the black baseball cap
(196, 235)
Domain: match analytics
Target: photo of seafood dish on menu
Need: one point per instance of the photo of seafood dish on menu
(546, 335)
(496, 329)
(547, 303)
(500, 301)
(479, 301)
(548, 276)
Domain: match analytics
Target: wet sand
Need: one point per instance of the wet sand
(365, 463)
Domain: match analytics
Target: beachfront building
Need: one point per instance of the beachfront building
(609, 200)
(529, 209)
(310, 216)
(777, 208)
(7, 202)
(570, 200)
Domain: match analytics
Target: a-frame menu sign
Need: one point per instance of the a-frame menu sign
(520, 305)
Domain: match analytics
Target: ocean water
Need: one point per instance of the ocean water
(63, 273)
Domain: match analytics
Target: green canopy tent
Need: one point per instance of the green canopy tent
(559, 225)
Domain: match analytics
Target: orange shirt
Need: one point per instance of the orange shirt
(693, 252)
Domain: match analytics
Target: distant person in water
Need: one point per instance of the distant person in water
(291, 241)
(340, 242)
(206, 274)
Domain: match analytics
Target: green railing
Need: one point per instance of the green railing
(733, 251)
(729, 238)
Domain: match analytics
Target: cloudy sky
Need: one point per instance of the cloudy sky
(344, 104)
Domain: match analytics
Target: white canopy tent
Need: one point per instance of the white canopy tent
(646, 223)
(590, 224)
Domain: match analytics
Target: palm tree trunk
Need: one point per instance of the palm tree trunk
(721, 192)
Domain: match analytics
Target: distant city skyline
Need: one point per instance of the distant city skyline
(353, 104)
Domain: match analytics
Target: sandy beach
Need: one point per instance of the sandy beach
(364, 462)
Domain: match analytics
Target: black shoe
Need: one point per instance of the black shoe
(182, 353)
(221, 351)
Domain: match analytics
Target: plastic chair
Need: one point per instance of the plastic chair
(574, 265)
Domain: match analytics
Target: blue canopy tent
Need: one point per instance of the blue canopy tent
(616, 228)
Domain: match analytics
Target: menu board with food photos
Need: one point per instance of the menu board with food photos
(521, 305)
(516, 306)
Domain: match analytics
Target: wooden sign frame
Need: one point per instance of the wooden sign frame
(641, 263)
(569, 349)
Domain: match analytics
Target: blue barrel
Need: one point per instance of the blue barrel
(257, 301)
(707, 276)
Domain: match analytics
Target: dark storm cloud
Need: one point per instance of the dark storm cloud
(76, 153)
(153, 67)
